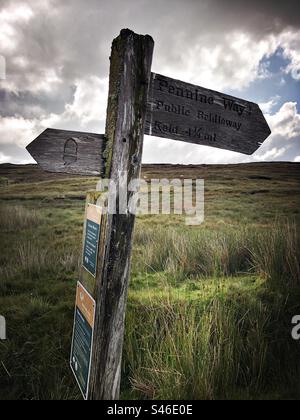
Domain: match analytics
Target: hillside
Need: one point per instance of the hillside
(249, 192)
(210, 307)
(257, 171)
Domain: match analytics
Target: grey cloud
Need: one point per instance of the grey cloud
(268, 15)
(30, 106)
(72, 38)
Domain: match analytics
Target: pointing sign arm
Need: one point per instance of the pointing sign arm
(69, 152)
(189, 113)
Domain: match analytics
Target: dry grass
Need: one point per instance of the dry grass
(13, 218)
(34, 259)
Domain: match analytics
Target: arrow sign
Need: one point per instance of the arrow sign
(69, 152)
(181, 111)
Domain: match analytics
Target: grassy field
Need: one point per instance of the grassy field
(210, 307)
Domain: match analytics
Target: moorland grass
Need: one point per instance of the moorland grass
(210, 308)
(272, 254)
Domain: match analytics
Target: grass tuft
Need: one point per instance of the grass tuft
(13, 218)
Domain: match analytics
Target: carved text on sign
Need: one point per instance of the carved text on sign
(185, 112)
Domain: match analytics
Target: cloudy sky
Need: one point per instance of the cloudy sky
(57, 63)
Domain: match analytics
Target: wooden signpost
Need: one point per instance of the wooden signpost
(139, 102)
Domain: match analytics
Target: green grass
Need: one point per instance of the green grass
(211, 338)
(210, 308)
(270, 253)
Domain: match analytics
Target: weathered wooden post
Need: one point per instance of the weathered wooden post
(130, 74)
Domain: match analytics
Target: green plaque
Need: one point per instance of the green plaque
(91, 239)
(82, 343)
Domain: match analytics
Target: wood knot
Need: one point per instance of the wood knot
(135, 160)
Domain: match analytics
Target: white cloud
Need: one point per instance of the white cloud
(272, 154)
(87, 112)
(159, 150)
(286, 122)
(17, 131)
(290, 42)
(4, 158)
(9, 19)
(297, 159)
(267, 107)
(284, 142)
(90, 100)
